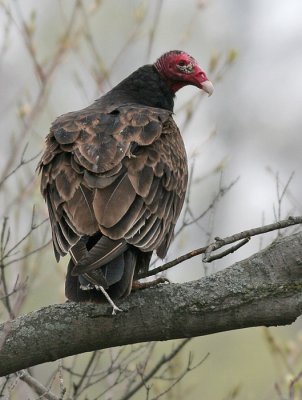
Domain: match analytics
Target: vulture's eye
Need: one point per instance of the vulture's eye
(182, 63)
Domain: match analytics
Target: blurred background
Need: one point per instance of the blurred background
(243, 144)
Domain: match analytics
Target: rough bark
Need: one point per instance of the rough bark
(264, 289)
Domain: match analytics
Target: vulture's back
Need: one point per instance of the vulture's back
(114, 177)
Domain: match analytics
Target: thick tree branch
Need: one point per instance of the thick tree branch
(264, 289)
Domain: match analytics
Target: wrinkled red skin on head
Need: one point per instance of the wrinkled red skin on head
(168, 67)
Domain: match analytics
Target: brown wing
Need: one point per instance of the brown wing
(123, 173)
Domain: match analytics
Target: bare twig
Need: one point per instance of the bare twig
(207, 250)
(233, 394)
(44, 75)
(173, 263)
(280, 196)
(164, 360)
(154, 27)
(249, 233)
(294, 381)
(77, 386)
(21, 164)
(190, 367)
(4, 384)
(223, 190)
(228, 251)
(33, 227)
(40, 389)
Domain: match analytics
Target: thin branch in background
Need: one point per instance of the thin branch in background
(45, 74)
(129, 41)
(142, 367)
(38, 388)
(153, 29)
(70, 373)
(57, 375)
(187, 201)
(19, 289)
(13, 298)
(5, 235)
(284, 191)
(292, 386)
(90, 41)
(119, 372)
(188, 33)
(22, 163)
(190, 367)
(5, 253)
(6, 32)
(287, 356)
(77, 387)
(30, 253)
(279, 392)
(217, 70)
(17, 286)
(296, 203)
(164, 360)
(222, 191)
(261, 237)
(277, 349)
(33, 227)
(280, 196)
(234, 393)
(61, 381)
(3, 383)
(12, 383)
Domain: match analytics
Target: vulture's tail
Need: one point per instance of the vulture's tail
(115, 277)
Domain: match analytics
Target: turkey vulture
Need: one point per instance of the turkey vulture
(114, 178)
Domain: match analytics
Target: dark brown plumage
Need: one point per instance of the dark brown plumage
(114, 177)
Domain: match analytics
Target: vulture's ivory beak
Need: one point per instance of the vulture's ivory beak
(208, 87)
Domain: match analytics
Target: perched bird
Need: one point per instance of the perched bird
(114, 177)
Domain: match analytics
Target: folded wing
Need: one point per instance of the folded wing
(119, 175)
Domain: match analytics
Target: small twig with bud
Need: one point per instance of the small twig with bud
(243, 237)
(247, 235)
(207, 255)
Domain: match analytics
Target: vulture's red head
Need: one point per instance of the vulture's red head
(179, 69)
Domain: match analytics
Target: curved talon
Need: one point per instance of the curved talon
(115, 308)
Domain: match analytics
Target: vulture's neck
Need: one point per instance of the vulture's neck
(144, 86)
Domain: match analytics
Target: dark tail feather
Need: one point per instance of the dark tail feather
(104, 251)
(123, 287)
(73, 291)
(118, 274)
(105, 276)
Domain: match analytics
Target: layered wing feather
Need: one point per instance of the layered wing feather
(122, 173)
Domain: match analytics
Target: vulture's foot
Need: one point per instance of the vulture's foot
(136, 285)
(89, 286)
(114, 306)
